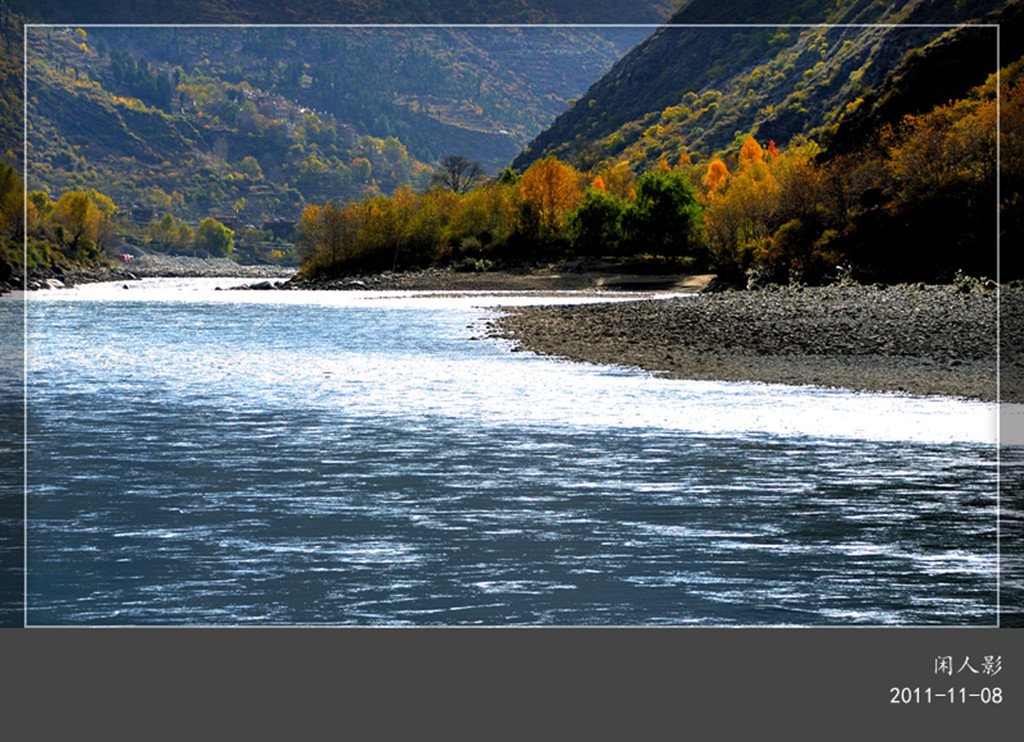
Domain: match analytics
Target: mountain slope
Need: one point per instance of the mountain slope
(166, 118)
(495, 87)
(710, 87)
(384, 117)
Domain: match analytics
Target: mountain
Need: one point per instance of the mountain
(695, 87)
(488, 90)
(532, 94)
(264, 121)
(165, 117)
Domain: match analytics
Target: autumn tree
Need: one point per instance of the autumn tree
(85, 217)
(617, 180)
(328, 235)
(941, 194)
(716, 175)
(79, 217)
(751, 154)
(108, 211)
(395, 229)
(740, 211)
(213, 238)
(477, 221)
(550, 190)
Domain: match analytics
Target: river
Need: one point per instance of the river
(205, 457)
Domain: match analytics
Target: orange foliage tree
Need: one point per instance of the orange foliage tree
(768, 220)
(550, 189)
(716, 175)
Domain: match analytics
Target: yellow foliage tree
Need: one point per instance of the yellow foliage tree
(79, 216)
(741, 209)
(487, 213)
(751, 154)
(950, 144)
(618, 180)
(329, 233)
(550, 189)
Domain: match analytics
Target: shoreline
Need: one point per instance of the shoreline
(915, 339)
(578, 277)
(146, 266)
(918, 340)
(551, 278)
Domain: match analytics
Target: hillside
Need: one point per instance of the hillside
(696, 91)
(530, 95)
(793, 153)
(429, 87)
(856, 142)
(281, 117)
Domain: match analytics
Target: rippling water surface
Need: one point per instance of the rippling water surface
(222, 457)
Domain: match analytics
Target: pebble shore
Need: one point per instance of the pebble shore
(917, 339)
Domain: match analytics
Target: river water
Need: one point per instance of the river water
(205, 457)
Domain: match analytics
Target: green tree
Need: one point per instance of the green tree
(170, 233)
(594, 226)
(663, 218)
(214, 238)
(12, 192)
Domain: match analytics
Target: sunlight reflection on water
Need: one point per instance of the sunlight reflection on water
(204, 456)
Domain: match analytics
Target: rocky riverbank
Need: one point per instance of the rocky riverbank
(924, 340)
(549, 278)
(144, 266)
(184, 266)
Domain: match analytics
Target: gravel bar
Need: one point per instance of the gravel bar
(916, 339)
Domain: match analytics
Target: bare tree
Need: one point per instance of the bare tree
(458, 173)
